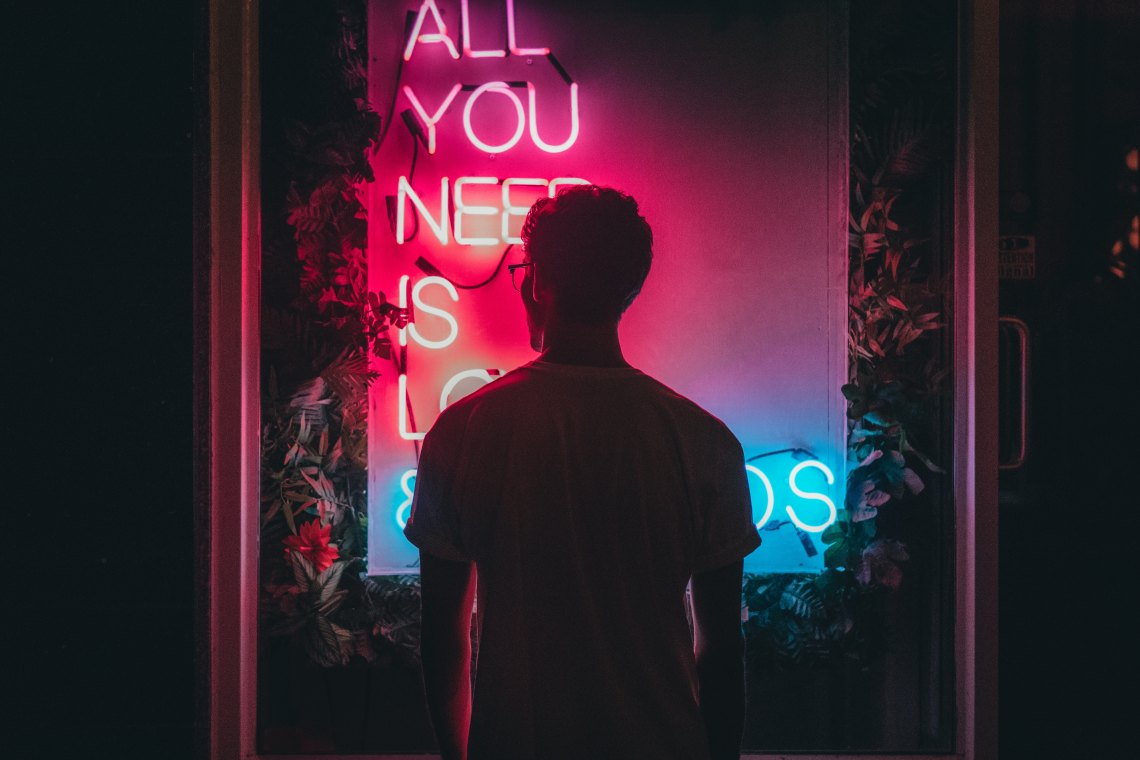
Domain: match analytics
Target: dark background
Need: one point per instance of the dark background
(97, 178)
(97, 153)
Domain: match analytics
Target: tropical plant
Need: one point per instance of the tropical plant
(320, 325)
(895, 370)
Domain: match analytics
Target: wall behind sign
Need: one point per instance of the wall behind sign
(722, 131)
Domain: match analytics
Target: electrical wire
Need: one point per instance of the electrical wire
(793, 450)
(430, 268)
(409, 20)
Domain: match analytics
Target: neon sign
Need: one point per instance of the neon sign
(494, 143)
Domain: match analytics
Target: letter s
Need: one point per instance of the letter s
(417, 300)
(810, 496)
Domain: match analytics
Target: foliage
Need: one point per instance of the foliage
(898, 107)
(320, 324)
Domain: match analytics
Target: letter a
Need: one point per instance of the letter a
(439, 36)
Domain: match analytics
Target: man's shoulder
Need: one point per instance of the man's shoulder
(499, 390)
(689, 411)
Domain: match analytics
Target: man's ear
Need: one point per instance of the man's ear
(538, 289)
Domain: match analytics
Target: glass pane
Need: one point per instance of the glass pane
(396, 175)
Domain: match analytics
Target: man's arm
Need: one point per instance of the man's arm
(448, 590)
(719, 649)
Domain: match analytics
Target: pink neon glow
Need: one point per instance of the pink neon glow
(534, 120)
(511, 41)
(405, 193)
(458, 377)
(402, 413)
(502, 89)
(554, 183)
(430, 121)
(509, 209)
(423, 307)
(467, 51)
(462, 209)
(439, 37)
(403, 303)
(768, 487)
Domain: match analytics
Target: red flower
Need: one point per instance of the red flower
(313, 545)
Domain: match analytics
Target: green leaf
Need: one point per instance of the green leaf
(287, 510)
(303, 571)
(836, 554)
(832, 533)
(326, 583)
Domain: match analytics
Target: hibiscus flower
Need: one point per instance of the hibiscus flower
(313, 545)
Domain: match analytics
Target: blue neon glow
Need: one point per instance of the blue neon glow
(408, 486)
(811, 496)
(768, 487)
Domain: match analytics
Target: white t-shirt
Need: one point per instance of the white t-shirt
(586, 497)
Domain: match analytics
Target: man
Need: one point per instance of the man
(584, 496)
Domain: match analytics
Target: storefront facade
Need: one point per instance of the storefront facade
(746, 138)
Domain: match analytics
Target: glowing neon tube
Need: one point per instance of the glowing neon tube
(439, 37)
(809, 496)
(462, 209)
(404, 193)
(405, 506)
(509, 209)
(430, 121)
(467, 51)
(420, 306)
(511, 42)
(534, 120)
(500, 88)
(771, 493)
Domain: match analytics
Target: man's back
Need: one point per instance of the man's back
(586, 497)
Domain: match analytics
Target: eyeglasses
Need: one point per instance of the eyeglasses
(518, 273)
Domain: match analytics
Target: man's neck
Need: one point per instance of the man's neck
(583, 345)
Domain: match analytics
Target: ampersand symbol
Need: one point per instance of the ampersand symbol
(408, 486)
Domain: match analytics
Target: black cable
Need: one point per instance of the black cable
(431, 269)
(391, 105)
(793, 450)
(409, 20)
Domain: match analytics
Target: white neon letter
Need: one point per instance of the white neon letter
(419, 305)
(439, 36)
(534, 120)
(430, 121)
(405, 506)
(403, 331)
(511, 43)
(554, 183)
(459, 377)
(405, 193)
(402, 412)
(467, 51)
(509, 209)
(768, 487)
(809, 496)
(502, 89)
(462, 208)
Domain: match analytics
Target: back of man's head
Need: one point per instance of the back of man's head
(592, 249)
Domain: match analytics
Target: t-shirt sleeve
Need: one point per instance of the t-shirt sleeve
(726, 532)
(433, 525)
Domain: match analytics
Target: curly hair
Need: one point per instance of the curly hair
(594, 248)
